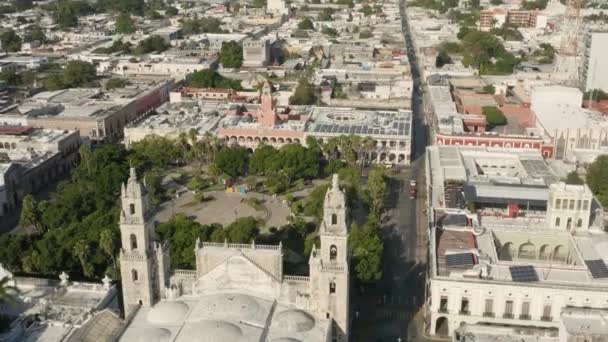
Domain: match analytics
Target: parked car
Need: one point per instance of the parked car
(413, 189)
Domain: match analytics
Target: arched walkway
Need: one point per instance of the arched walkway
(527, 251)
(506, 252)
(559, 253)
(441, 326)
(544, 253)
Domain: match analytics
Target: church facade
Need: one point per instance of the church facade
(238, 292)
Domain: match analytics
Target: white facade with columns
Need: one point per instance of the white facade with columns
(517, 272)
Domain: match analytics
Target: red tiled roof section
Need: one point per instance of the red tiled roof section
(15, 130)
(523, 115)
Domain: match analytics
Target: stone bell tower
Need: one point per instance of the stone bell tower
(144, 263)
(329, 265)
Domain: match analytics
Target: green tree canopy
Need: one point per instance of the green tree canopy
(574, 178)
(151, 44)
(243, 230)
(171, 11)
(10, 77)
(376, 186)
(494, 116)
(153, 152)
(181, 232)
(534, 4)
(11, 42)
(366, 247)
(115, 83)
(30, 215)
(76, 74)
(231, 55)
(326, 14)
(306, 24)
(597, 178)
(208, 78)
(67, 12)
(34, 33)
(125, 24)
(202, 25)
(304, 93)
(232, 160)
(117, 46)
(442, 59)
(596, 95)
(261, 159)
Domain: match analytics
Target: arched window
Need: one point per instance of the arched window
(557, 221)
(334, 219)
(133, 240)
(332, 287)
(333, 252)
(131, 208)
(579, 223)
(134, 275)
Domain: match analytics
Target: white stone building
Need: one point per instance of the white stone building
(256, 53)
(238, 292)
(522, 277)
(577, 134)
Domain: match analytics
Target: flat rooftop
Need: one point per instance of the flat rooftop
(521, 251)
(493, 175)
(338, 121)
(177, 117)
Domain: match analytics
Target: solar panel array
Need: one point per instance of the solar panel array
(523, 273)
(597, 268)
(398, 128)
(459, 259)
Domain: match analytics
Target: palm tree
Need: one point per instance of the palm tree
(182, 142)
(107, 242)
(330, 148)
(366, 145)
(81, 251)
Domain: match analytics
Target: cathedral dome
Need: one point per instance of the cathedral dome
(168, 312)
(294, 321)
(211, 330)
(231, 305)
(150, 335)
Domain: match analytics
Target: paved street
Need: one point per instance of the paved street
(383, 312)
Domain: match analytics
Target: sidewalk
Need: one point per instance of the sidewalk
(415, 331)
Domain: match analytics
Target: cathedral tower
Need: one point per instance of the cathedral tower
(143, 262)
(329, 273)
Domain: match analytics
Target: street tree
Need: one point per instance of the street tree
(125, 24)
(597, 178)
(109, 244)
(30, 215)
(11, 41)
(376, 185)
(81, 251)
(366, 247)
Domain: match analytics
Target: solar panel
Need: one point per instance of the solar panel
(459, 259)
(597, 268)
(523, 273)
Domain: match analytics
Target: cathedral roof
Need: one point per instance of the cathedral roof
(234, 317)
